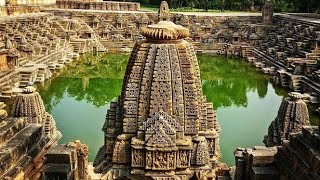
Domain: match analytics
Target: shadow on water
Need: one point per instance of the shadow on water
(79, 96)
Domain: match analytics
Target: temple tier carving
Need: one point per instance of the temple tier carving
(161, 127)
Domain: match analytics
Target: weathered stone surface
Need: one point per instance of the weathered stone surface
(292, 116)
(267, 12)
(25, 137)
(296, 158)
(98, 5)
(67, 161)
(256, 163)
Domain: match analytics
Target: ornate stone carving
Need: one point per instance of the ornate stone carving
(138, 158)
(293, 114)
(163, 109)
(183, 159)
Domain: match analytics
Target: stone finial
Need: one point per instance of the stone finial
(164, 11)
(165, 30)
(28, 90)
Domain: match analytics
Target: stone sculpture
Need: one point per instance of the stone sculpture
(161, 127)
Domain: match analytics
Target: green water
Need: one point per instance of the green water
(245, 101)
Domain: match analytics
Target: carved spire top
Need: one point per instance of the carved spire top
(164, 29)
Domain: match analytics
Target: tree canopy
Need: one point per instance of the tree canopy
(306, 6)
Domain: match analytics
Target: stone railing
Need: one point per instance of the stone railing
(104, 5)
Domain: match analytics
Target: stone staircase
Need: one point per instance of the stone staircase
(7, 80)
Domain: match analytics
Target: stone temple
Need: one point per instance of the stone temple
(161, 127)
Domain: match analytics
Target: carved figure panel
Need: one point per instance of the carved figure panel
(158, 160)
(211, 146)
(149, 160)
(138, 158)
(183, 159)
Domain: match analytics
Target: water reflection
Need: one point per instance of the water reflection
(97, 91)
(246, 102)
(227, 82)
(80, 94)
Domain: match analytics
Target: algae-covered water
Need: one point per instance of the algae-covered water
(78, 98)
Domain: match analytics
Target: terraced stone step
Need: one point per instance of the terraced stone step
(10, 128)
(19, 145)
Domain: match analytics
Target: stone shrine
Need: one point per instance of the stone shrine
(161, 127)
(292, 116)
(25, 137)
(297, 158)
(295, 151)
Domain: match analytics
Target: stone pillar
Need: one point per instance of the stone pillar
(267, 12)
(82, 155)
(137, 7)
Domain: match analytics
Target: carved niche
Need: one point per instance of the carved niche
(160, 160)
(137, 158)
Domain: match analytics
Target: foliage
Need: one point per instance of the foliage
(238, 5)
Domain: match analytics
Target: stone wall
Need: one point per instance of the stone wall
(291, 52)
(32, 2)
(291, 44)
(36, 44)
(208, 33)
(97, 5)
(16, 10)
(296, 158)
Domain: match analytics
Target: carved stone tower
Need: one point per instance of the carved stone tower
(161, 127)
(267, 12)
(292, 116)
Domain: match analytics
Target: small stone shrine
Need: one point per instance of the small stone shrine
(161, 127)
(292, 116)
(25, 137)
